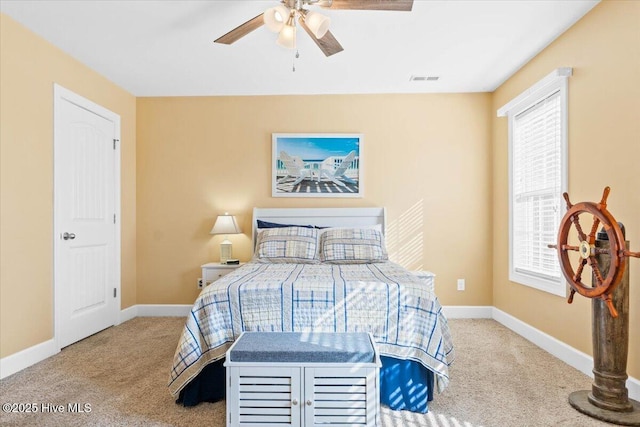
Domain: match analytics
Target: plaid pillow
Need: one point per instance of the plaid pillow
(352, 246)
(287, 245)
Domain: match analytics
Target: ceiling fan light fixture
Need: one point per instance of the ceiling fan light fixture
(275, 18)
(317, 23)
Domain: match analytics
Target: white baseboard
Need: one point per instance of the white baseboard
(467, 312)
(569, 355)
(30, 356)
(164, 310)
(128, 313)
(155, 310)
(633, 385)
(584, 363)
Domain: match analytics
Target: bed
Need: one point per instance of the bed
(323, 270)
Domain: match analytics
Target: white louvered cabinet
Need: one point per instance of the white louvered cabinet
(339, 397)
(258, 398)
(305, 393)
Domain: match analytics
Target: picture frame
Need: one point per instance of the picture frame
(317, 165)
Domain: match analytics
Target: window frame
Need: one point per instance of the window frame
(557, 81)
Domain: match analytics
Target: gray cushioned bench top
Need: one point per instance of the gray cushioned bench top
(314, 347)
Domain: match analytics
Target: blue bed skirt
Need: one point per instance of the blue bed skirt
(404, 385)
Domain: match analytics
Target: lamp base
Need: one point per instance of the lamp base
(580, 401)
(225, 251)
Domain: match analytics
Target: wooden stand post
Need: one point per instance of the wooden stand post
(608, 399)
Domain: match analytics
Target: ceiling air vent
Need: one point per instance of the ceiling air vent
(424, 78)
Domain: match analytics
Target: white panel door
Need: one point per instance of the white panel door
(85, 231)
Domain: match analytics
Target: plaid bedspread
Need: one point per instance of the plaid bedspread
(396, 306)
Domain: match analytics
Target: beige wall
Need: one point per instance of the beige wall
(437, 162)
(28, 68)
(426, 159)
(604, 149)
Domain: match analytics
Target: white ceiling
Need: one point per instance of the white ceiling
(165, 48)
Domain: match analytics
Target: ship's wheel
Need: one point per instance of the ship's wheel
(603, 285)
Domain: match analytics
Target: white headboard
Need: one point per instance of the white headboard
(322, 217)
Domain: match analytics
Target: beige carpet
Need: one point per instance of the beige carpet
(498, 379)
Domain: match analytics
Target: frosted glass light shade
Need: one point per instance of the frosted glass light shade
(275, 18)
(287, 37)
(317, 23)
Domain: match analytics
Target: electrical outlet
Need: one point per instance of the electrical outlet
(461, 284)
(200, 283)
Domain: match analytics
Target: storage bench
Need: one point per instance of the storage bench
(303, 379)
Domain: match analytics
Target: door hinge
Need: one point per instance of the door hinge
(114, 292)
(114, 143)
(114, 218)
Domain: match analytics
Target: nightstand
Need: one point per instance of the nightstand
(212, 271)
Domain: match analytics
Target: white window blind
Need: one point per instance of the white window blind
(537, 179)
(537, 191)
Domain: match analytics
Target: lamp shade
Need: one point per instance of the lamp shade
(275, 18)
(317, 23)
(226, 224)
(287, 37)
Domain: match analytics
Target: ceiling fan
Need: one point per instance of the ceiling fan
(282, 20)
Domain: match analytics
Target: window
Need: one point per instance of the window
(537, 179)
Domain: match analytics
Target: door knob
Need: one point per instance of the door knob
(68, 236)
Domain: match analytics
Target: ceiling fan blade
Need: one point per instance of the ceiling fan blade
(327, 44)
(241, 31)
(398, 5)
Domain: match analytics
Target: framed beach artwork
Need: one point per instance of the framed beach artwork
(316, 165)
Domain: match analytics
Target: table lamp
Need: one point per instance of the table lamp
(225, 224)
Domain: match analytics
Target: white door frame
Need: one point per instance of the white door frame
(61, 94)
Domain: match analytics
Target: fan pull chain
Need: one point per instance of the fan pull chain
(297, 55)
